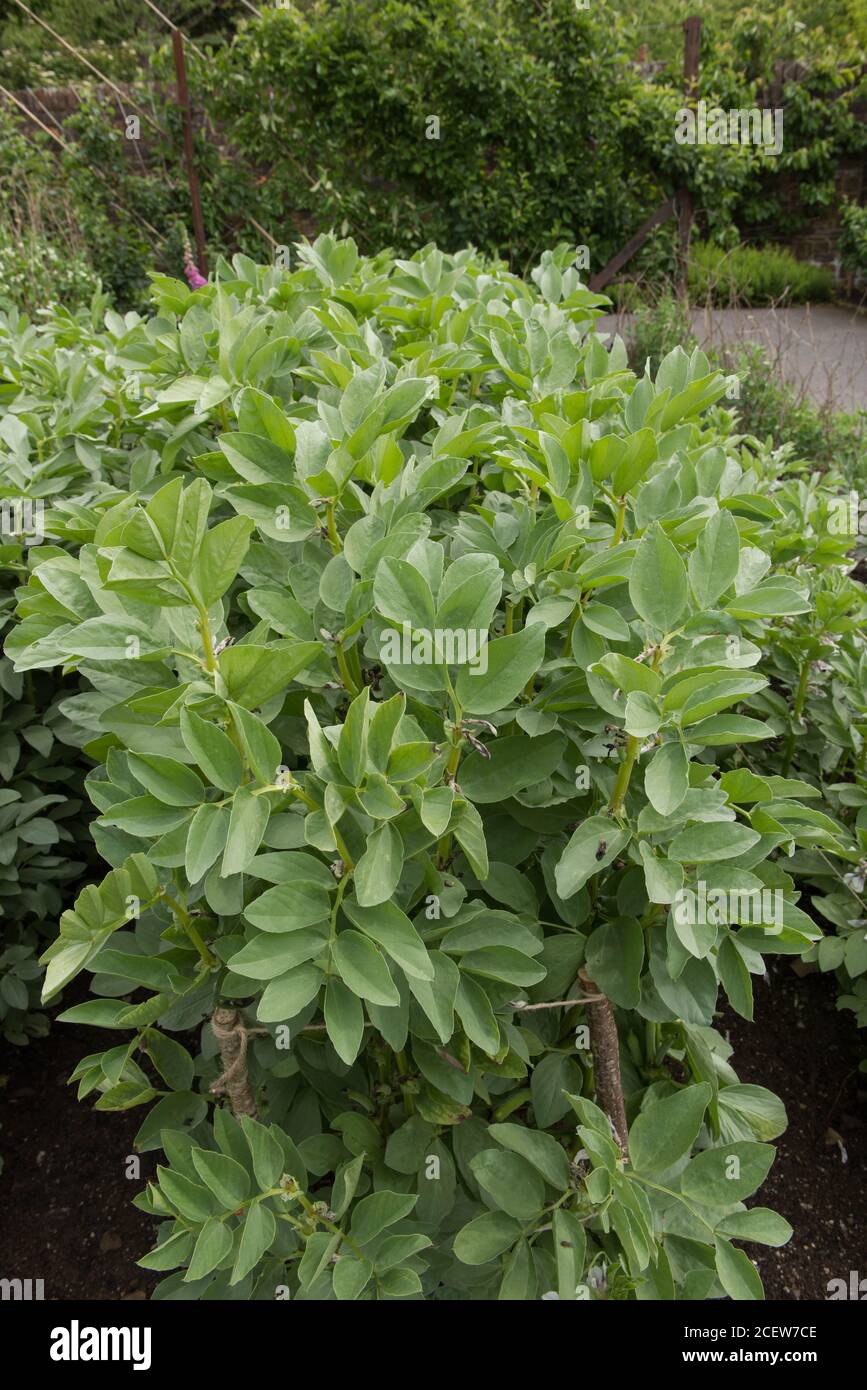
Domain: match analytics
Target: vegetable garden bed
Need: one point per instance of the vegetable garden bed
(465, 717)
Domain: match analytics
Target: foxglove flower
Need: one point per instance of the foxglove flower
(194, 277)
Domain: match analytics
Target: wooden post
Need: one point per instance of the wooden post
(184, 103)
(691, 49)
(618, 261)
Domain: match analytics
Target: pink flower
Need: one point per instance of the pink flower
(191, 270)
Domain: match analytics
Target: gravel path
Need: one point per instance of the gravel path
(821, 350)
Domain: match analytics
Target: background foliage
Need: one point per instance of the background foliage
(547, 129)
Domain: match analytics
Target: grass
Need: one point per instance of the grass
(753, 277)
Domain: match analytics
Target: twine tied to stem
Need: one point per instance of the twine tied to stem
(232, 1037)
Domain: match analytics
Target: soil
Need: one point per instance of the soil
(807, 1052)
(67, 1216)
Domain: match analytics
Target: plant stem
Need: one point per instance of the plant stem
(605, 1047)
(332, 528)
(191, 930)
(445, 844)
(621, 786)
(798, 710)
(618, 524)
(231, 1036)
(345, 673)
(343, 852)
(207, 640)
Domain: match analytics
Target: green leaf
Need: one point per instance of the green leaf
(272, 954)
(266, 1152)
(721, 1177)
(166, 779)
(226, 1179)
(711, 841)
(379, 868)
(552, 1078)
(262, 749)
(751, 1110)
(182, 1110)
(377, 1212)
(402, 595)
(737, 1273)
(344, 1020)
(247, 822)
(663, 879)
(393, 931)
(666, 778)
(657, 581)
(666, 1130)
(541, 1150)
(735, 978)
(470, 835)
(289, 906)
(511, 765)
(285, 997)
(351, 1276)
(253, 675)
(212, 1247)
(206, 840)
(606, 621)
(595, 844)
(512, 1184)
(257, 1235)
(192, 1200)
(213, 750)
(172, 1061)
(759, 1224)
(486, 1237)
(508, 663)
(395, 1249)
(615, 956)
(363, 969)
(219, 558)
(713, 565)
(476, 1014)
(570, 1245)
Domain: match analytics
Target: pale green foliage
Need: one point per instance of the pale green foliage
(415, 657)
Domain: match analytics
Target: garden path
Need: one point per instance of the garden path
(821, 350)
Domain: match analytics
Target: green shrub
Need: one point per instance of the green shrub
(853, 238)
(752, 276)
(341, 845)
(65, 433)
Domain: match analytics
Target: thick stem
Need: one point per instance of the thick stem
(605, 1046)
(231, 1035)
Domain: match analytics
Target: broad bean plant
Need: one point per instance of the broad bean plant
(412, 647)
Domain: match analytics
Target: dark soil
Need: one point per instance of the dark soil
(66, 1213)
(807, 1052)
